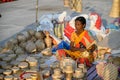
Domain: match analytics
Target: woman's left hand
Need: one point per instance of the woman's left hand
(82, 49)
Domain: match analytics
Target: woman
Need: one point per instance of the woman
(80, 42)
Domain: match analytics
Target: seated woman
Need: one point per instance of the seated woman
(80, 42)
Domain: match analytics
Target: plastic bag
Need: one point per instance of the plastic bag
(62, 45)
(45, 25)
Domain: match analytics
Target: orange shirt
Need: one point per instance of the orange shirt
(84, 37)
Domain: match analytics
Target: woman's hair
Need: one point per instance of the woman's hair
(81, 19)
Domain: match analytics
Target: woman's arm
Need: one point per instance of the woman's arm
(73, 48)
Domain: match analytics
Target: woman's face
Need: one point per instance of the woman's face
(79, 26)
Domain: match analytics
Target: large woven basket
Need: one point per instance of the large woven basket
(115, 10)
(110, 72)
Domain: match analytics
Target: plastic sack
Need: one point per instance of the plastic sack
(45, 25)
(96, 20)
(112, 26)
(68, 31)
(62, 45)
(62, 16)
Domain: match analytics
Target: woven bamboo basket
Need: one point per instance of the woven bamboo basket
(66, 3)
(78, 5)
(110, 72)
(115, 9)
(72, 4)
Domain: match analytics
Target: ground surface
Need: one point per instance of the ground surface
(20, 14)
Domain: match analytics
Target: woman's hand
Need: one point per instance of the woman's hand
(82, 49)
(77, 49)
(72, 48)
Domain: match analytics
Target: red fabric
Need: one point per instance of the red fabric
(68, 30)
(61, 53)
(6, 0)
(10, 0)
(99, 20)
(85, 60)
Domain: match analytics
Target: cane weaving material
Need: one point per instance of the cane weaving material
(110, 72)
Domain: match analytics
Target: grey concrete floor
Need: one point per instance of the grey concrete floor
(18, 15)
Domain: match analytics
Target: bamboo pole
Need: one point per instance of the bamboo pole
(37, 12)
